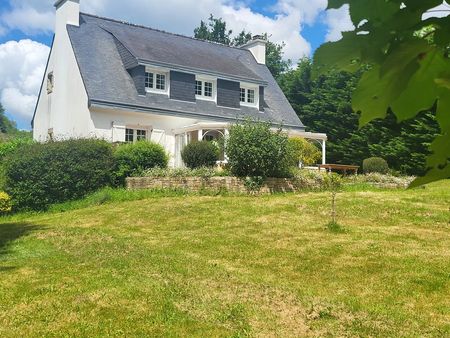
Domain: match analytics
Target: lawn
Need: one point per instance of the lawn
(236, 266)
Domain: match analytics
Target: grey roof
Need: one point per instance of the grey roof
(109, 84)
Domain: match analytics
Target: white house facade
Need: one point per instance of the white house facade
(123, 83)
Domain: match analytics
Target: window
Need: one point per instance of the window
(208, 89)
(248, 96)
(156, 81)
(160, 82)
(141, 135)
(204, 89)
(134, 135)
(242, 94)
(198, 87)
(148, 80)
(129, 135)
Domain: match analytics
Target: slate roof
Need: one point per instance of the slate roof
(109, 84)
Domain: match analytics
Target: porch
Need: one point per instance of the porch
(218, 131)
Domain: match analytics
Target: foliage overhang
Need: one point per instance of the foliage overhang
(406, 57)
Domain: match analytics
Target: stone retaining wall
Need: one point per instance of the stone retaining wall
(196, 184)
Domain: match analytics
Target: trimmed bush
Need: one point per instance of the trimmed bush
(5, 203)
(200, 154)
(302, 151)
(375, 165)
(42, 174)
(133, 159)
(254, 150)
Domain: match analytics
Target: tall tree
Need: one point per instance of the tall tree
(408, 66)
(216, 30)
(6, 125)
(324, 105)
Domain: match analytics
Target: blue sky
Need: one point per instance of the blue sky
(26, 29)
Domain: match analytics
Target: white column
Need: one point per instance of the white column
(200, 135)
(324, 152)
(226, 133)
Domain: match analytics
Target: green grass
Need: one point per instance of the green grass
(146, 264)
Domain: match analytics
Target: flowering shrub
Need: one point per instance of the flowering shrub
(5, 203)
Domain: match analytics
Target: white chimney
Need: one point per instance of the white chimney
(258, 48)
(67, 13)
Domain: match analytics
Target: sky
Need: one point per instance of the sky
(26, 30)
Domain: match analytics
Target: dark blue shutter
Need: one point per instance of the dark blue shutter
(228, 93)
(182, 86)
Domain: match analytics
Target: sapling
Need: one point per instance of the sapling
(333, 183)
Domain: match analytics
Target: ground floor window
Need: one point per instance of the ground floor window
(134, 135)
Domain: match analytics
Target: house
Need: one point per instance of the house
(123, 83)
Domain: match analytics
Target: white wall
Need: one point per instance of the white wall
(110, 125)
(65, 110)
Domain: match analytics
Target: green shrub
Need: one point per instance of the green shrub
(134, 158)
(5, 203)
(375, 165)
(254, 150)
(10, 146)
(200, 154)
(302, 151)
(7, 147)
(42, 174)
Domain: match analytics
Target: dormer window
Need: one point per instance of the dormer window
(248, 96)
(205, 88)
(156, 81)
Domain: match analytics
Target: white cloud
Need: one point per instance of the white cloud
(30, 16)
(171, 15)
(22, 65)
(182, 16)
(338, 21)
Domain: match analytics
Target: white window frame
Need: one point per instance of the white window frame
(135, 129)
(248, 87)
(158, 71)
(204, 79)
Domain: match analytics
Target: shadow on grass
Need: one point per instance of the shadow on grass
(9, 232)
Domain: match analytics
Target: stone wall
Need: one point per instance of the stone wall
(196, 184)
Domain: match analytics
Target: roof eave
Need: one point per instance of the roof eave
(95, 103)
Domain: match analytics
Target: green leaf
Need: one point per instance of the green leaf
(343, 55)
(335, 4)
(422, 90)
(375, 11)
(443, 109)
(421, 5)
(374, 93)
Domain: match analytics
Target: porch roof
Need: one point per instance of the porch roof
(225, 125)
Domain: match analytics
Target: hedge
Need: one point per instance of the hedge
(42, 174)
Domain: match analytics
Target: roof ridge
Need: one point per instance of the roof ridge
(162, 31)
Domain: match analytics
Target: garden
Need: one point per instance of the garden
(33, 176)
(82, 255)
